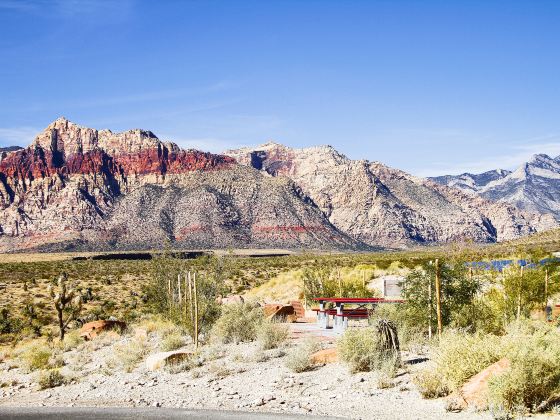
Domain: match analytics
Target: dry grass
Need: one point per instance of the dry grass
(128, 355)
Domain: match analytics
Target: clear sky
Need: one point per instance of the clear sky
(430, 87)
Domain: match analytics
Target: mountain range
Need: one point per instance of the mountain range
(78, 188)
(534, 186)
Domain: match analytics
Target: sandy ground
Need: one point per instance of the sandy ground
(232, 377)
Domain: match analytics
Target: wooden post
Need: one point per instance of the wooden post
(195, 293)
(179, 288)
(430, 308)
(519, 295)
(339, 283)
(438, 299)
(545, 287)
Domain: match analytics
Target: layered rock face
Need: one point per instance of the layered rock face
(383, 206)
(534, 186)
(80, 188)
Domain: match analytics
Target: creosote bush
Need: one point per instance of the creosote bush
(172, 341)
(370, 349)
(272, 334)
(128, 355)
(299, 358)
(50, 379)
(35, 356)
(239, 322)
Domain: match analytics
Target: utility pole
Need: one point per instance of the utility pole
(438, 299)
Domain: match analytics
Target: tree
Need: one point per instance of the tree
(458, 291)
(66, 300)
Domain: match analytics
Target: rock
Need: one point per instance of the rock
(90, 330)
(159, 360)
(279, 311)
(473, 393)
(231, 299)
(324, 356)
(156, 404)
(258, 402)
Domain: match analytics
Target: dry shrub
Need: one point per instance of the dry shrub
(430, 384)
(50, 379)
(238, 323)
(35, 356)
(271, 335)
(299, 358)
(172, 341)
(128, 355)
(365, 350)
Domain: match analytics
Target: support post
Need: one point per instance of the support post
(438, 299)
(195, 311)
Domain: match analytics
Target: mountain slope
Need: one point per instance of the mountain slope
(384, 206)
(534, 186)
(80, 188)
(471, 183)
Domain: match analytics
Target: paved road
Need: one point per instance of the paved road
(64, 413)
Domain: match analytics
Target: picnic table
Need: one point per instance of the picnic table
(341, 315)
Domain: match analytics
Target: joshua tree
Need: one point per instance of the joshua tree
(65, 300)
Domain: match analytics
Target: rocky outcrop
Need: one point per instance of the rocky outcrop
(80, 188)
(533, 187)
(383, 206)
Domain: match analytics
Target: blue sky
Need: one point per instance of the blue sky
(430, 87)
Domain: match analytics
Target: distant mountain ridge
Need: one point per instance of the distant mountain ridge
(534, 186)
(78, 188)
(384, 206)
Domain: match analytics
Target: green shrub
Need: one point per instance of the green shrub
(271, 335)
(460, 355)
(299, 358)
(36, 356)
(50, 379)
(238, 323)
(534, 375)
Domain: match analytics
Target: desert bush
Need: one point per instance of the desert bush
(167, 292)
(367, 349)
(129, 354)
(271, 334)
(299, 358)
(9, 324)
(35, 356)
(50, 378)
(238, 323)
(459, 355)
(430, 384)
(172, 341)
(534, 375)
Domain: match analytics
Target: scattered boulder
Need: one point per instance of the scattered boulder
(329, 355)
(280, 312)
(90, 330)
(231, 299)
(473, 393)
(158, 360)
